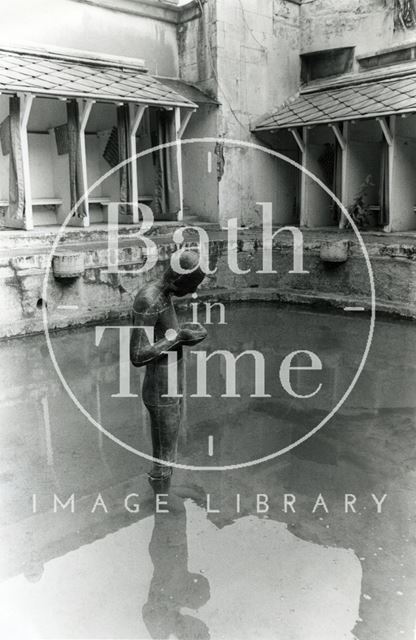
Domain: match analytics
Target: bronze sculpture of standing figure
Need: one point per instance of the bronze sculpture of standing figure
(153, 307)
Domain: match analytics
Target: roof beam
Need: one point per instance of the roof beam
(299, 140)
(185, 122)
(386, 131)
(137, 118)
(67, 95)
(26, 101)
(337, 132)
(84, 113)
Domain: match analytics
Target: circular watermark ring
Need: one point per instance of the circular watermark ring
(324, 421)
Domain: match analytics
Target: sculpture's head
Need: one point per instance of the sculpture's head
(181, 284)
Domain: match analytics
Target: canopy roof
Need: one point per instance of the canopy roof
(56, 75)
(188, 90)
(362, 100)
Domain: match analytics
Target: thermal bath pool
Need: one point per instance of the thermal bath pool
(264, 551)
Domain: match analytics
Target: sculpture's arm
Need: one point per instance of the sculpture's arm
(191, 333)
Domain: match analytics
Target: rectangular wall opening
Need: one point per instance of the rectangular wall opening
(368, 174)
(277, 180)
(323, 159)
(49, 181)
(403, 214)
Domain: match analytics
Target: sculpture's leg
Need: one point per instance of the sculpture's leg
(165, 423)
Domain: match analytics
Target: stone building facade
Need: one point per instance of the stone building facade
(244, 53)
(248, 60)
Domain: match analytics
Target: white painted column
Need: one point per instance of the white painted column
(389, 131)
(179, 160)
(345, 193)
(85, 107)
(180, 126)
(136, 116)
(26, 101)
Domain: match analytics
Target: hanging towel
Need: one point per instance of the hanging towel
(111, 152)
(5, 136)
(61, 139)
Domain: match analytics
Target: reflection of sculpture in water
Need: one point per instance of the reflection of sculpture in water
(153, 307)
(173, 586)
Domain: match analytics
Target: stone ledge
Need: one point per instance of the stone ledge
(44, 237)
(338, 302)
(164, 11)
(17, 243)
(99, 295)
(320, 300)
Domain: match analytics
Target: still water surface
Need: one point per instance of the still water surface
(307, 572)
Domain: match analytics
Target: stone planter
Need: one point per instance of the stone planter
(335, 251)
(68, 264)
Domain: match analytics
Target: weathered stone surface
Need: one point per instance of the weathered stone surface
(99, 295)
(68, 264)
(334, 251)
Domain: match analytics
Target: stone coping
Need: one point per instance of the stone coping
(45, 236)
(319, 300)
(18, 243)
